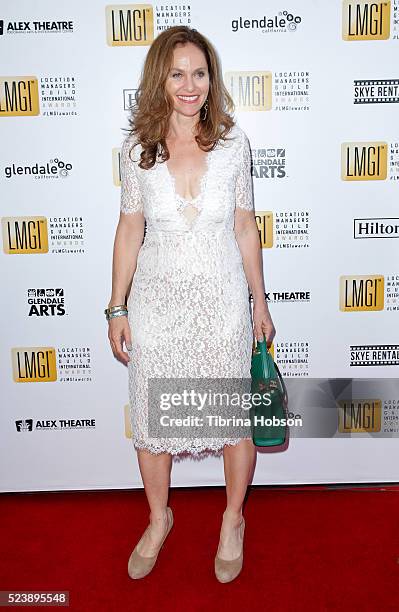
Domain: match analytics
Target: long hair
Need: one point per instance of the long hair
(149, 118)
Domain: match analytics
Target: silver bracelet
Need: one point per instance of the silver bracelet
(118, 313)
(115, 308)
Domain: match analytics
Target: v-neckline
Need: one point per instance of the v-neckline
(202, 182)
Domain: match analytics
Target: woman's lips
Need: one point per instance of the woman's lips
(188, 99)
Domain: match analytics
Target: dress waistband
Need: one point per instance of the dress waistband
(172, 232)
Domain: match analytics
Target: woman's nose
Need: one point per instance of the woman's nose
(189, 85)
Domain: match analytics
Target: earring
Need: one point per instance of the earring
(206, 110)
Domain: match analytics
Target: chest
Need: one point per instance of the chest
(187, 165)
(213, 182)
(185, 158)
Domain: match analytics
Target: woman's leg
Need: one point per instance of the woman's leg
(239, 467)
(155, 472)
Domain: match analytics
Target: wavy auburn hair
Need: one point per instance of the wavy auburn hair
(151, 112)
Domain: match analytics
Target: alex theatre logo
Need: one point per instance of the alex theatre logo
(34, 364)
(116, 166)
(364, 20)
(264, 221)
(129, 24)
(361, 293)
(359, 416)
(364, 161)
(24, 235)
(251, 91)
(19, 96)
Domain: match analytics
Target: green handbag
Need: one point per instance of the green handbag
(267, 381)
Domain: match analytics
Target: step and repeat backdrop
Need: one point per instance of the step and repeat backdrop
(316, 88)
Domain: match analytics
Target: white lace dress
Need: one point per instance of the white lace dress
(189, 310)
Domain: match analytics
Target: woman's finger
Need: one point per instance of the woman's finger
(270, 332)
(128, 338)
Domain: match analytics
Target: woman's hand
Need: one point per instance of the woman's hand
(119, 331)
(263, 323)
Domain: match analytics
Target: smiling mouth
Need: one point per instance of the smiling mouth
(188, 99)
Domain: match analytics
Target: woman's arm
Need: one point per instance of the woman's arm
(128, 240)
(247, 236)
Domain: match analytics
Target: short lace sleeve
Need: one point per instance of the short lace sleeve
(244, 189)
(131, 200)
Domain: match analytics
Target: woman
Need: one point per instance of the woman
(185, 170)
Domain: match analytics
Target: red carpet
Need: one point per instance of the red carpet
(313, 549)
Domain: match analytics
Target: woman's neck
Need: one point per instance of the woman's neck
(182, 128)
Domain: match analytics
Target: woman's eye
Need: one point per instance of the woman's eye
(201, 73)
(176, 74)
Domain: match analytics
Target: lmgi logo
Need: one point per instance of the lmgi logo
(129, 24)
(34, 364)
(361, 293)
(363, 20)
(359, 416)
(364, 161)
(264, 221)
(19, 96)
(23, 235)
(251, 91)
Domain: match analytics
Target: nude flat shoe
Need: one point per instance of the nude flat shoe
(225, 570)
(139, 566)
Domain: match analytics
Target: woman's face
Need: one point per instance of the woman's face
(188, 80)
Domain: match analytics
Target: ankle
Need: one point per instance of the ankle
(232, 516)
(159, 517)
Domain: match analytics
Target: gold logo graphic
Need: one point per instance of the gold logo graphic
(24, 235)
(34, 364)
(116, 166)
(271, 350)
(129, 24)
(128, 424)
(363, 292)
(364, 20)
(359, 416)
(364, 161)
(251, 91)
(19, 96)
(264, 221)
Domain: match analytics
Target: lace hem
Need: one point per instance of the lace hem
(181, 446)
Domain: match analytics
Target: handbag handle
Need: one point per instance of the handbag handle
(268, 374)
